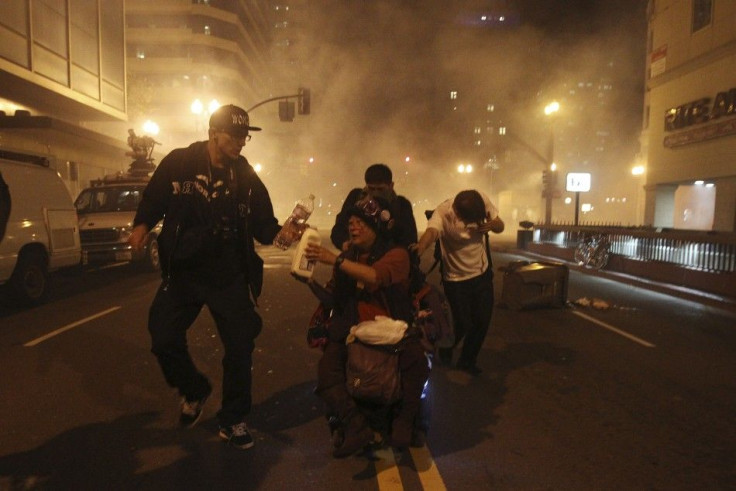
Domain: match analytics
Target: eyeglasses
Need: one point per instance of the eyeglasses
(237, 137)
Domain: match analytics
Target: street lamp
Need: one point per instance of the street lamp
(636, 171)
(550, 110)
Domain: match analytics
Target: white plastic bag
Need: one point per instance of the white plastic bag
(382, 330)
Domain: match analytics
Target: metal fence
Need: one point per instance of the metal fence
(703, 251)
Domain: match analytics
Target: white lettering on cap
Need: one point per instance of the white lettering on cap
(239, 119)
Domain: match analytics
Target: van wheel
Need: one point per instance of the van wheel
(153, 261)
(30, 278)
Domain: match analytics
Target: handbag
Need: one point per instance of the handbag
(372, 372)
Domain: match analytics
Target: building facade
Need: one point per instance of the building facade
(62, 70)
(184, 57)
(689, 127)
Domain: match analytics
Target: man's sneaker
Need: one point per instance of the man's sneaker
(191, 411)
(237, 435)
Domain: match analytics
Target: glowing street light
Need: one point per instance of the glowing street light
(196, 107)
(465, 168)
(150, 127)
(551, 108)
(637, 170)
(213, 105)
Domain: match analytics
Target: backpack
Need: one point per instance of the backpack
(437, 253)
(430, 309)
(433, 318)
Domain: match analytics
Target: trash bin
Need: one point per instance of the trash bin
(523, 237)
(534, 285)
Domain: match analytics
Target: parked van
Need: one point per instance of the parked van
(106, 211)
(42, 233)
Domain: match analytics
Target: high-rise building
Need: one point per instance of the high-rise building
(184, 57)
(689, 127)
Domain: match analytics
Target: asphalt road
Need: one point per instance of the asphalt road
(638, 395)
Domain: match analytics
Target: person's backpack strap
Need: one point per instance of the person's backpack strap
(488, 250)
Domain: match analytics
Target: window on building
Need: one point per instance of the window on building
(502, 130)
(702, 14)
(490, 108)
(453, 94)
(207, 30)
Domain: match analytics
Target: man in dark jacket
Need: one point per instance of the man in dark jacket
(378, 183)
(213, 205)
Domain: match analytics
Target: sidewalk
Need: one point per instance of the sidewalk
(725, 304)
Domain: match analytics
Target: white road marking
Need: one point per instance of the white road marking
(69, 326)
(615, 329)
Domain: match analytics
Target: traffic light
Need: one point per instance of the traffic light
(549, 179)
(304, 100)
(286, 111)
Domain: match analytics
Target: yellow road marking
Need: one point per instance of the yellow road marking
(387, 472)
(389, 478)
(427, 470)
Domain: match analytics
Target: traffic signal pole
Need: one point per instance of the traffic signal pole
(303, 95)
(547, 187)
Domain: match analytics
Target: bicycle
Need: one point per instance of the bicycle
(593, 251)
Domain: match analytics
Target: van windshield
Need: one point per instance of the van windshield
(118, 198)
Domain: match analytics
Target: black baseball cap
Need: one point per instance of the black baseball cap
(233, 120)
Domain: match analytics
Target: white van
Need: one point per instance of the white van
(106, 211)
(42, 233)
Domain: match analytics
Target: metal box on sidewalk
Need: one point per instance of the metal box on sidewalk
(534, 285)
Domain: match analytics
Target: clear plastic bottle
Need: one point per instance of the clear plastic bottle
(296, 223)
(300, 265)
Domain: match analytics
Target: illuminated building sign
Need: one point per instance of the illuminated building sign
(578, 182)
(698, 112)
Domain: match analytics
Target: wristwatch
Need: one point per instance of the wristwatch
(338, 261)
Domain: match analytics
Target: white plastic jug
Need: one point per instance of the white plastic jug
(300, 265)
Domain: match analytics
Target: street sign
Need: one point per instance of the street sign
(578, 182)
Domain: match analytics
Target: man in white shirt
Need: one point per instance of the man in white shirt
(461, 224)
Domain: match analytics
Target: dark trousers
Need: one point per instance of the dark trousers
(173, 311)
(471, 304)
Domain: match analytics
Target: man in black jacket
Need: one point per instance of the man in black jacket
(213, 206)
(378, 183)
